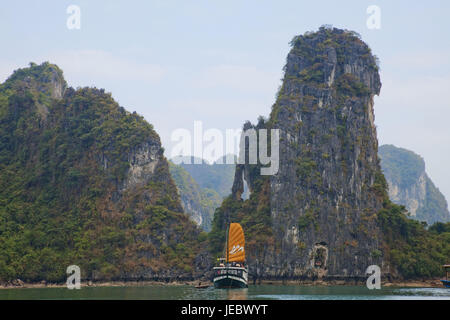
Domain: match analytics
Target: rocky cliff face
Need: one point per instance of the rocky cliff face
(199, 203)
(409, 185)
(85, 182)
(317, 216)
(142, 162)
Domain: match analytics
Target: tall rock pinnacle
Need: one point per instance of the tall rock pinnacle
(317, 215)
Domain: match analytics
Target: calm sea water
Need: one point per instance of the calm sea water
(253, 292)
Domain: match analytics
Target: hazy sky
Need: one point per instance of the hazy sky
(221, 61)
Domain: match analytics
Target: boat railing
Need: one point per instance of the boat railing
(229, 267)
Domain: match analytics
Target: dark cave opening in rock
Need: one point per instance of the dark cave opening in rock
(320, 256)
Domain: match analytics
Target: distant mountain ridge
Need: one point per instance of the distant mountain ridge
(216, 176)
(409, 185)
(199, 203)
(202, 186)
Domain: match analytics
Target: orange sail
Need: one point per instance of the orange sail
(236, 243)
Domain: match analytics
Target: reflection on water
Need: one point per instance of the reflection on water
(289, 292)
(237, 294)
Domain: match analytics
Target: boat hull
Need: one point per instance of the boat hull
(446, 283)
(230, 277)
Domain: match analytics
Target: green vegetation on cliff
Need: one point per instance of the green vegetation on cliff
(412, 251)
(65, 193)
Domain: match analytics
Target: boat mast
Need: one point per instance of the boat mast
(228, 227)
